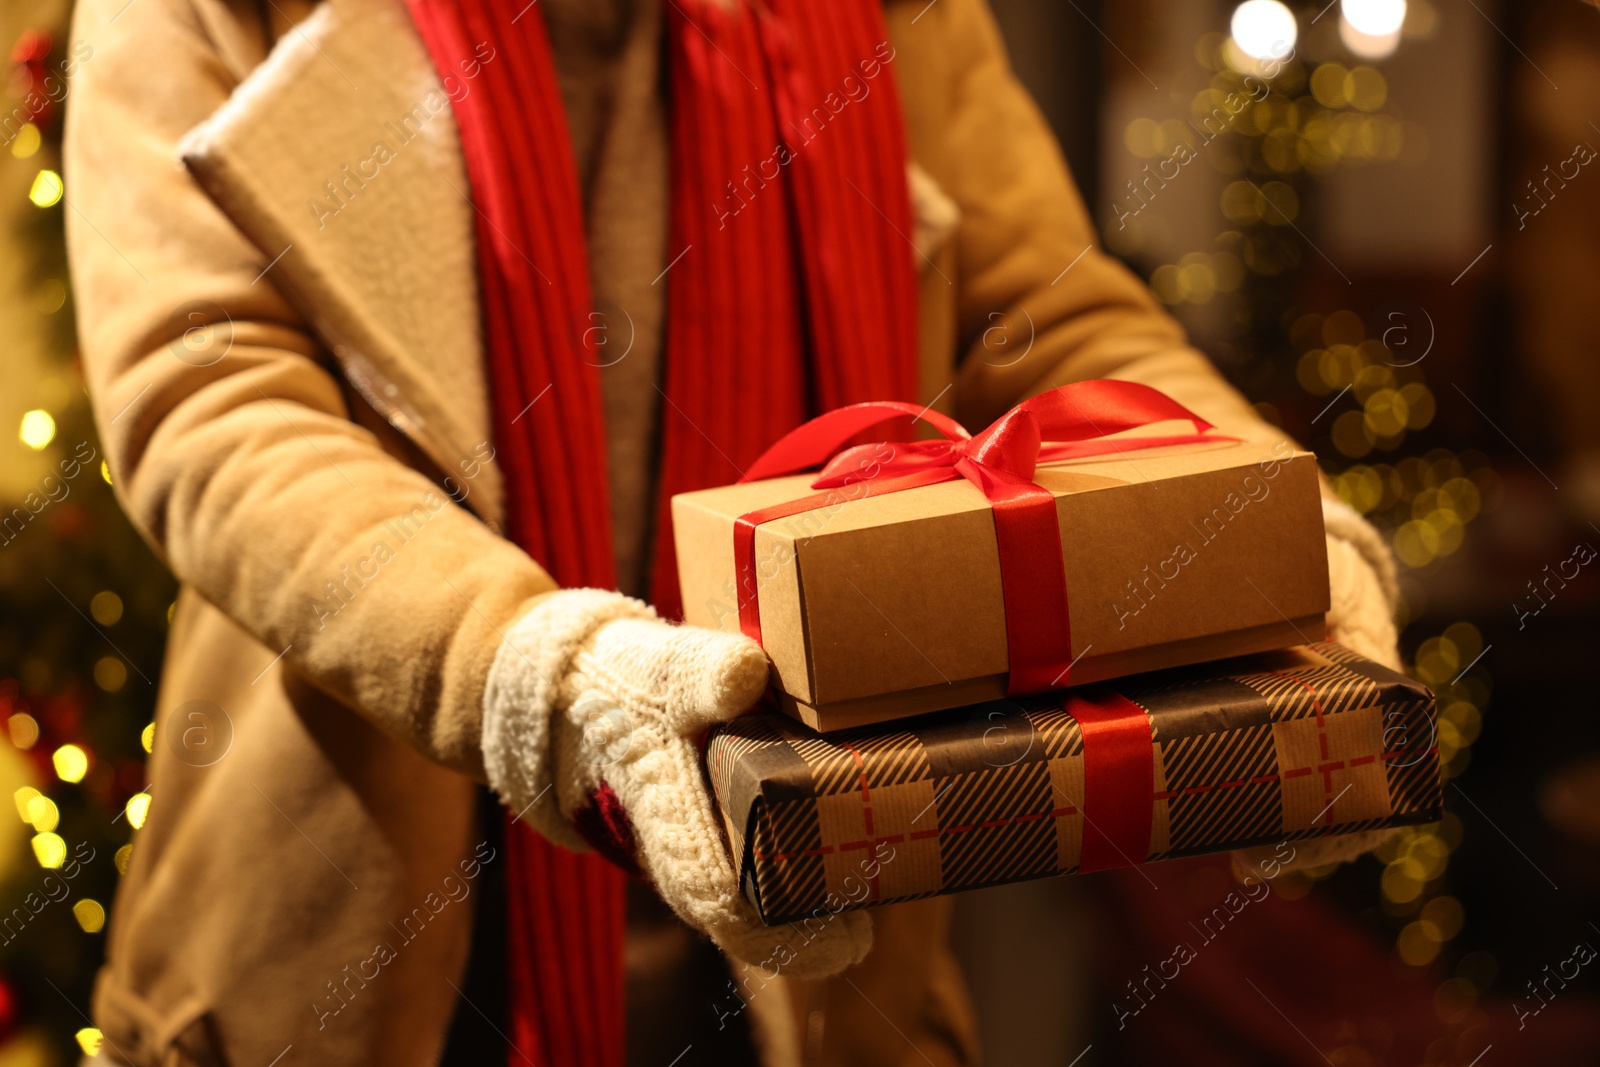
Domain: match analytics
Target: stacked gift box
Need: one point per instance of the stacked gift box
(1091, 636)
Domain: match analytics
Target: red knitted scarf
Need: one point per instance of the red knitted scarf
(790, 289)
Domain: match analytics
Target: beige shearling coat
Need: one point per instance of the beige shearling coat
(281, 393)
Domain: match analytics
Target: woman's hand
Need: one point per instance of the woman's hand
(591, 727)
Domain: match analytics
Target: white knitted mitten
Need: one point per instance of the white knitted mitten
(1365, 593)
(592, 697)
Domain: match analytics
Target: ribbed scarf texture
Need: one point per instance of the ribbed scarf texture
(790, 290)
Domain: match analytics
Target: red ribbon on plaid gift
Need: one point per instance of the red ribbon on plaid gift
(1068, 422)
(1119, 779)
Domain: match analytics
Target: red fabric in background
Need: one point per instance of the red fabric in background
(792, 289)
(1292, 983)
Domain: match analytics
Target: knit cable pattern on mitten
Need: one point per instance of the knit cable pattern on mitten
(1364, 589)
(596, 700)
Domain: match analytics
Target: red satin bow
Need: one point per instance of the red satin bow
(1068, 422)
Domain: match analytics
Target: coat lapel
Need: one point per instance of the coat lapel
(338, 157)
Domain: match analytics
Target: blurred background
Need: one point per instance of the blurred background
(1379, 218)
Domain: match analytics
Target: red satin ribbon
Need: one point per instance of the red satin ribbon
(1065, 423)
(1119, 780)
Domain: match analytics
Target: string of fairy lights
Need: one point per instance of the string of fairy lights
(1317, 116)
(82, 776)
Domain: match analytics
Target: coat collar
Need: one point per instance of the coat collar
(339, 158)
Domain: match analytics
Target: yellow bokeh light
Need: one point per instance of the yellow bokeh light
(1416, 543)
(105, 472)
(1361, 487)
(1438, 660)
(1140, 138)
(1309, 373)
(1430, 853)
(89, 1039)
(1415, 946)
(1338, 364)
(1241, 202)
(27, 141)
(1464, 719)
(1280, 204)
(123, 855)
(1350, 437)
(1343, 327)
(24, 730)
(50, 297)
(1386, 412)
(1197, 282)
(147, 737)
(138, 808)
(1451, 530)
(1371, 378)
(1466, 637)
(1329, 83)
(1281, 151)
(110, 674)
(71, 763)
(106, 607)
(1228, 271)
(1366, 89)
(49, 850)
(90, 915)
(1446, 915)
(47, 189)
(38, 429)
(23, 797)
(1419, 404)
(43, 814)
(1401, 882)
(1461, 496)
(1164, 283)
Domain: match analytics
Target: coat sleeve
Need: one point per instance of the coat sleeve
(1027, 252)
(230, 443)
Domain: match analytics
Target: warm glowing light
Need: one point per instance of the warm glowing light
(1418, 943)
(90, 915)
(1366, 45)
(38, 429)
(123, 855)
(138, 807)
(72, 763)
(43, 813)
(1263, 29)
(110, 674)
(26, 142)
(147, 737)
(106, 607)
(24, 797)
(89, 1039)
(49, 850)
(24, 730)
(1375, 18)
(47, 189)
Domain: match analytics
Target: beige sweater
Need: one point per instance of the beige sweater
(608, 59)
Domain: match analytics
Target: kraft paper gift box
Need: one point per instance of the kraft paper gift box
(873, 607)
(1275, 747)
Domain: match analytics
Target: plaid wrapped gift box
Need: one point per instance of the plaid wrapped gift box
(1308, 741)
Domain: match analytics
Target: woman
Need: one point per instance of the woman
(401, 324)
